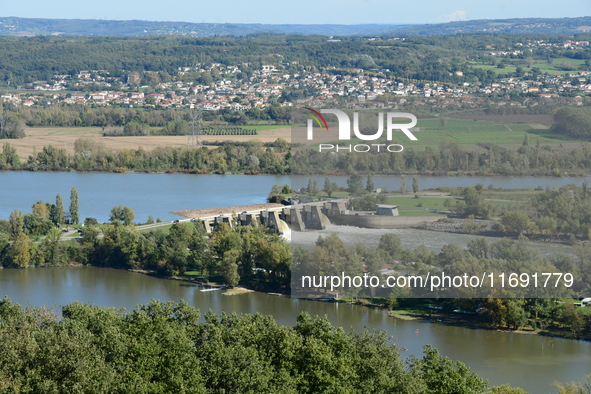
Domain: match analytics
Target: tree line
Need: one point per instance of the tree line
(91, 155)
(573, 122)
(528, 159)
(248, 255)
(153, 121)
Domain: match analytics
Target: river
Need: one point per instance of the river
(146, 194)
(158, 194)
(528, 361)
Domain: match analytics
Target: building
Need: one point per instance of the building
(387, 210)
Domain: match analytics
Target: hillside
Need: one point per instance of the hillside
(92, 27)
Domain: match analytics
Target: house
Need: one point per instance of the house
(387, 210)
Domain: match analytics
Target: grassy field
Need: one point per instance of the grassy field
(557, 66)
(495, 69)
(468, 132)
(408, 206)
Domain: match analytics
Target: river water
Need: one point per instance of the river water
(158, 194)
(146, 194)
(528, 361)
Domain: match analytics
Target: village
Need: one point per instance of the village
(218, 86)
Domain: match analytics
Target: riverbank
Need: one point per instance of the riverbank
(470, 321)
(420, 310)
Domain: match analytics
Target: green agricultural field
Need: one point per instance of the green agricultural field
(408, 206)
(471, 132)
(558, 65)
(495, 69)
(562, 65)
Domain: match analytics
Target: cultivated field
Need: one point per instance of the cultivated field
(507, 131)
(64, 137)
(561, 65)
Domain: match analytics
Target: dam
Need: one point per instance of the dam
(300, 217)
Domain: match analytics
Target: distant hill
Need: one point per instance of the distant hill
(92, 27)
(494, 26)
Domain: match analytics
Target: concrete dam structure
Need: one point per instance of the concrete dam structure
(303, 217)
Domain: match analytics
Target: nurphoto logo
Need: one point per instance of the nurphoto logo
(346, 132)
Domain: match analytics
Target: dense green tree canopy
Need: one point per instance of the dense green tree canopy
(164, 347)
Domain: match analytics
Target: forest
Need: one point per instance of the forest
(165, 347)
(425, 58)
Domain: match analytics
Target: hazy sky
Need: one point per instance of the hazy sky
(303, 11)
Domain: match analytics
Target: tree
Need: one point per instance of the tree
(369, 186)
(575, 387)
(21, 251)
(9, 155)
(444, 376)
(391, 245)
(16, 223)
(515, 222)
(51, 246)
(402, 186)
(229, 267)
(40, 209)
(329, 187)
(312, 186)
(276, 195)
(354, 184)
(36, 225)
(11, 125)
(90, 222)
(128, 216)
(415, 185)
(473, 204)
(506, 389)
(122, 214)
(516, 315)
(74, 207)
(57, 211)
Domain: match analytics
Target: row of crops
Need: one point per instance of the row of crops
(227, 131)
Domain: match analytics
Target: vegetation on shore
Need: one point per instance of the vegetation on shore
(164, 347)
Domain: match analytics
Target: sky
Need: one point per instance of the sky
(296, 12)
